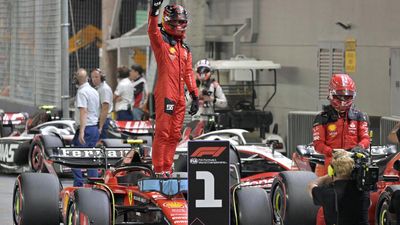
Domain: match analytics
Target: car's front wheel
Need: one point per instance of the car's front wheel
(36, 199)
(89, 207)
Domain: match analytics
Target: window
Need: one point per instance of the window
(330, 60)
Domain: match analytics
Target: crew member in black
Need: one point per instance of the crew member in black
(337, 193)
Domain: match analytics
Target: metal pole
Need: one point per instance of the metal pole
(64, 60)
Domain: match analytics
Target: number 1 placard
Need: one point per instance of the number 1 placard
(209, 183)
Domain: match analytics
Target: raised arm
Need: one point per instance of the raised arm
(153, 31)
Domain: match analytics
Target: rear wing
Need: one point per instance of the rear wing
(87, 157)
(134, 127)
(10, 118)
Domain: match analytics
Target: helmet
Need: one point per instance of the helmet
(203, 69)
(342, 91)
(174, 20)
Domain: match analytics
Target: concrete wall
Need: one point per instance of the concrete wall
(289, 34)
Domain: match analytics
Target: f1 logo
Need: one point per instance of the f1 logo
(211, 151)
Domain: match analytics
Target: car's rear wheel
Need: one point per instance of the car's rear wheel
(290, 200)
(89, 205)
(36, 199)
(252, 206)
(383, 215)
(36, 157)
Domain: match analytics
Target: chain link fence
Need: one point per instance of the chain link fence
(30, 51)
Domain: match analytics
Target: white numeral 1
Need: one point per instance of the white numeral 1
(209, 200)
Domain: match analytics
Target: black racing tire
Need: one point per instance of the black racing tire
(35, 157)
(383, 216)
(252, 206)
(39, 149)
(95, 204)
(180, 164)
(36, 199)
(290, 200)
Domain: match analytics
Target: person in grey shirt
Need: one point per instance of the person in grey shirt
(106, 100)
(87, 107)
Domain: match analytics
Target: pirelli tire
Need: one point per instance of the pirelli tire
(93, 204)
(36, 199)
(39, 149)
(387, 210)
(252, 206)
(291, 203)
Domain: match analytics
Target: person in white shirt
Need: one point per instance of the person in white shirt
(123, 95)
(106, 100)
(87, 111)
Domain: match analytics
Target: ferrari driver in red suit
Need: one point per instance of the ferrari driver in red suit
(174, 62)
(340, 125)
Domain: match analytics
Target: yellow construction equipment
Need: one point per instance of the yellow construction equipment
(84, 37)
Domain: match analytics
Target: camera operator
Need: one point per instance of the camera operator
(211, 94)
(341, 200)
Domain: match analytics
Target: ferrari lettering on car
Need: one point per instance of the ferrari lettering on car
(7, 152)
(89, 153)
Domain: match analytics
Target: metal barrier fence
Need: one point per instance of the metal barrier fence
(299, 129)
(30, 57)
(387, 124)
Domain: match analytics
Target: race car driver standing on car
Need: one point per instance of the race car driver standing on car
(174, 62)
(211, 95)
(87, 107)
(340, 125)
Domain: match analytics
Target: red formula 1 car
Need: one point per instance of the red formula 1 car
(126, 194)
(293, 206)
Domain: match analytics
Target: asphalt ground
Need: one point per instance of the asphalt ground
(6, 192)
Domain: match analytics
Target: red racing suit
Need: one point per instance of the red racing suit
(174, 62)
(330, 131)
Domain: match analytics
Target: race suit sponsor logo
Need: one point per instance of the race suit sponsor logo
(7, 152)
(353, 127)
(83, 153)
(169, 106)
(331, 127)
(172, 50)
